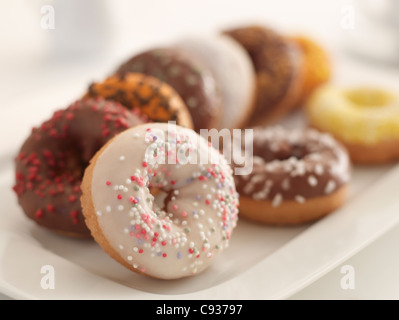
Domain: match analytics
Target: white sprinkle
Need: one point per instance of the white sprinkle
(312, 181)
(121, 207)
(128, 181)
(300, 199)
(330, 187)
(204, 186)
(319, 169)
(122, 158)
(278, 198)
(135, 266)
(121, 247)
(135, 249)
(286, 184)
(108, 208)
(126, 230)
(99, 213)
(130, 258)
(116, 188)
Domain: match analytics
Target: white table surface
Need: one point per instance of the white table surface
(34, 73)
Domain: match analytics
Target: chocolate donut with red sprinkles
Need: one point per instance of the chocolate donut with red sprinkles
(51, 162)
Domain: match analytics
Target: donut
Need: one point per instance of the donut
(364, 119)
(188, 76)
(51, 162)
(233, 71)
(155, 99)
(298, 175)
(155, 211)
(279, 72)
(317, 68)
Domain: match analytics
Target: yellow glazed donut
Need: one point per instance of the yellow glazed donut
(365, 120)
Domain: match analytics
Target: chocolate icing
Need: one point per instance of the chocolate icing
(294, 165)
(188, 76)
(273, 62)
(51, 162)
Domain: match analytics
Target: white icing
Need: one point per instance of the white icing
(233, 70)
(200, 217)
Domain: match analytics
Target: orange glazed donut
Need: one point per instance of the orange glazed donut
(51, 162)
(278, 68)
(171, 233)
(155, 99)
(298, 176)
(317, 69)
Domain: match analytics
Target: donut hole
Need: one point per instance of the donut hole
(281, 151)
(365, 97)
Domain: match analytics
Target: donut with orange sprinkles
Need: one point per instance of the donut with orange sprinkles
(154, 98)
(51, 162)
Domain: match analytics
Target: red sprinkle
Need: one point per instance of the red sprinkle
(141, 251)
(39, 213)
(163, 243)
(74, 213)
(72, 198)
(119, 196)
(108, 183)
(145, 164)
(50, 208)
(191, 250)
(164, 255)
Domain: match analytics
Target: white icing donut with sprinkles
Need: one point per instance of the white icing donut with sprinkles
(153, 207)
(298, 176)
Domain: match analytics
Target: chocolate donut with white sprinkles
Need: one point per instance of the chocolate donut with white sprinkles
(298, 176)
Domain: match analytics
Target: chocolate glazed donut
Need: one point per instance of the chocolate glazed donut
(279, 71)
(298, 176)
(188, 76)
(51, 162)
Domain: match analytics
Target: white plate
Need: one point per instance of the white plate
(261, 263)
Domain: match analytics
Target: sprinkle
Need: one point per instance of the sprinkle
(330, 187)
(50, 208)
(99, 213)
(119, 196)
(130, 258)
(144, 164)
(72, 198)
(108, 208)
(312, 181)
(164, 255)
(108, 183)
(300, 199)
(39, 213)
(278, 198)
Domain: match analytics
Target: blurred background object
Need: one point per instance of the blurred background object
(374, 32)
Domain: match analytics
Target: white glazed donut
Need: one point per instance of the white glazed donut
(185, 222)
(234, 72)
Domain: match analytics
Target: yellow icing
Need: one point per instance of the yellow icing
(360, 115)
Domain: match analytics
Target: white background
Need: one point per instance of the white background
(92, 37)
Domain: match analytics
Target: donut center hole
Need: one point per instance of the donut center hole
(282, 151)
(369, 97)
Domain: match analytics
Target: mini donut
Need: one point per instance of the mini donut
(233, 71)
(176, 229)
(365, 120)
(155, 99)
(317, 68)
(51, 162)
(298, 176)
(188, 76)
(279, 72)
